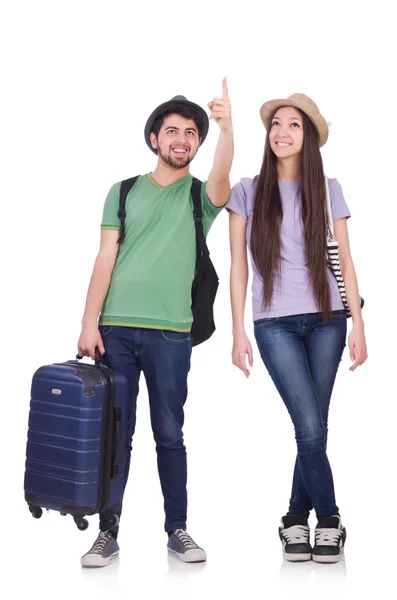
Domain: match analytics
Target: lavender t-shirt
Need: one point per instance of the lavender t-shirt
(293, 294)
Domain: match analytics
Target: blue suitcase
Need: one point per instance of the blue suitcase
(76, 440)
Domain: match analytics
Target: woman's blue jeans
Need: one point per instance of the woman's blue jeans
(302, 355)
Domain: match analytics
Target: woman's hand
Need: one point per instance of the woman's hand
(241, 348)
(357, 346)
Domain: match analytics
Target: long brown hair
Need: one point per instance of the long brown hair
(268, 215)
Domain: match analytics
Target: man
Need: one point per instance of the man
(142, 294)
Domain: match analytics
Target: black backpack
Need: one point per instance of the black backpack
(206, 281)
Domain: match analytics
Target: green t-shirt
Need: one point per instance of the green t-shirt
(152, 278)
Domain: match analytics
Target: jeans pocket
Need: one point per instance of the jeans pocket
(176, 337)
(105, 329)
(263, 322)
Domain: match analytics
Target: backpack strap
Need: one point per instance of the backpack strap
(201, 244)
(125, 188)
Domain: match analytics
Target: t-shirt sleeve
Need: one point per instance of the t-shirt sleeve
(339, 207)
(237, 202)
(210, 212)
(110, 219)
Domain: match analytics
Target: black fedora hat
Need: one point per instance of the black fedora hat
(163, 107)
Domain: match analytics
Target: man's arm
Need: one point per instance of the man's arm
(97, 291)
(218, 184)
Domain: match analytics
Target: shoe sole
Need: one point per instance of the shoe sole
(327, 558)
(104, 563)
(185, 558)
(297, 557)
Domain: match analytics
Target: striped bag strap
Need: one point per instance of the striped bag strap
(333, 252)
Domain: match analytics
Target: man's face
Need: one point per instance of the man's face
(177, 142)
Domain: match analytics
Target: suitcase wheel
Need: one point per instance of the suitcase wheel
(115, 520)
(81, 523)
(36, 511)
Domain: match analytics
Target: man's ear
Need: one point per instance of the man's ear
(153, 140)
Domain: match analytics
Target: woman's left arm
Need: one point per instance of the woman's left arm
(357, 343)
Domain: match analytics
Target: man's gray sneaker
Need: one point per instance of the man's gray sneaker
(181, 544)
(105, 548)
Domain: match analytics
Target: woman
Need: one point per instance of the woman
(299, 316)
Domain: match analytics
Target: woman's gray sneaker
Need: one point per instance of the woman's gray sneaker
(181, 544)
(295, 536)
(329, 537)
(105, 548)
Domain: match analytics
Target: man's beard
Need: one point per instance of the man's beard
(175, 164)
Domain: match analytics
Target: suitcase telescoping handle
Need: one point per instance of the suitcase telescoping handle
(118, 440)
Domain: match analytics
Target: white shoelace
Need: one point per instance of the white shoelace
(296, 534)
(100, 542)
(327, 537)
(185, 539)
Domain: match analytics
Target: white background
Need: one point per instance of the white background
(79, 81)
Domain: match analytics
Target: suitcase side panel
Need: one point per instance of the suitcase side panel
(64, 447)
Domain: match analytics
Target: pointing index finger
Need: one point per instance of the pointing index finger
(225, 90)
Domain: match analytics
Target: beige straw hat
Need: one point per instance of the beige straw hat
(305, 104)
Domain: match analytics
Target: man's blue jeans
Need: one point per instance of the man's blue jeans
(302, 356)
(164, 358)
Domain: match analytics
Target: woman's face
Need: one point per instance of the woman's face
(286, 132)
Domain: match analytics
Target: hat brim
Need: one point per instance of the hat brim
(164, 106)
(268, 109)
